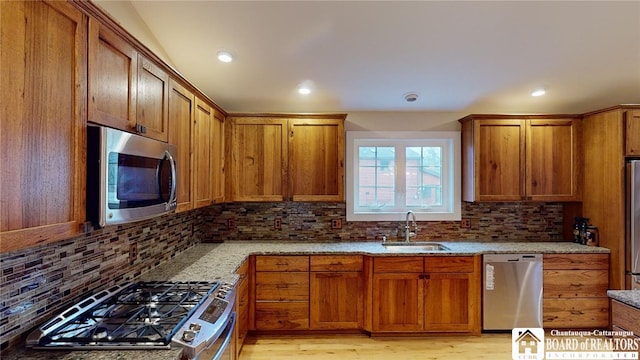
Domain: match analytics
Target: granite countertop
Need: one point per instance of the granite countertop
(219, 261)
(629, 297)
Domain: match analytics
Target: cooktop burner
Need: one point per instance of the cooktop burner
(136, 314)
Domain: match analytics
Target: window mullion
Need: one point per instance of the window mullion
(401, 176)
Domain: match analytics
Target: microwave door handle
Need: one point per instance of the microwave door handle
(172, 193)
(172, 161)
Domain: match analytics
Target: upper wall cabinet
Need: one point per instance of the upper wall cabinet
(521, 158)
(277, 158)
(42, 132)
(181, 117)
(126, 91)
(632, 133)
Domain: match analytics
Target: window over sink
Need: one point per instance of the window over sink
(390, 173)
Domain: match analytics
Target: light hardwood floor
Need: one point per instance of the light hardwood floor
(351, 347)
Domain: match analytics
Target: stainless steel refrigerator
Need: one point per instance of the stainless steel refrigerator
(633, 225)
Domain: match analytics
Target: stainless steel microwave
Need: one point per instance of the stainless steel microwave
(129, 177)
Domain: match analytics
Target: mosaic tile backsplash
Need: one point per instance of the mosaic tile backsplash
(39, 282)
(312, 222)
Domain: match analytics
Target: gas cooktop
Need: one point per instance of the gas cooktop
(132, 315)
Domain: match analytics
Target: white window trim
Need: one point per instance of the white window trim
(352, 161)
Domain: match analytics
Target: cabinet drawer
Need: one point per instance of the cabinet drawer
(575, 283)
(398, 264)
(336, 263)
(575, 261)
(576, 314)
(449, 264)
(625, 317)
(282, 316)
(274, 286)
(282, 263)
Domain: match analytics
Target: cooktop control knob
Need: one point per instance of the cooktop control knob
(188, 335)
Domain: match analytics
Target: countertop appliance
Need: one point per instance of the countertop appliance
(197, 316)
(633, 226)
(129, 177)
(512, 291)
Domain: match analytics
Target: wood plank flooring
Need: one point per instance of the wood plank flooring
(351, 347)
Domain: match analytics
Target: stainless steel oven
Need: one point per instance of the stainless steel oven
(223, 347)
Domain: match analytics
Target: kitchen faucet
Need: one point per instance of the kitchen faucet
(408, 234)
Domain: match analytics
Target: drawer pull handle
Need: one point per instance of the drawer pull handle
(576, 312)
(282, 286)
(577, 285)
(335, 263)
(284, 263)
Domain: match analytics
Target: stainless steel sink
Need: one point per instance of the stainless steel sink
(424, 246)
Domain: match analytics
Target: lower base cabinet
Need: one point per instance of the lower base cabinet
(337, 293)
(281, 293)
(426, 294)
(625, 318)
(575, 291)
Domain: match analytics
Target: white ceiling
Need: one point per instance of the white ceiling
(459, 56)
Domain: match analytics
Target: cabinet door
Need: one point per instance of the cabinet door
(259, 161)
(632, 133)
(398, 301)
(42, 132)
(113, 66)
(152, 100)
(336, 300)
(316, 159)
(553, 160)
(181, 116)
(450, 303)
(202, 170)
(499, 160)
(218, 159)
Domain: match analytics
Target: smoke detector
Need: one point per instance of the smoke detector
(410, 97)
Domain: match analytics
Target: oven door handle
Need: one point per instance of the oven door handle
(231, 324)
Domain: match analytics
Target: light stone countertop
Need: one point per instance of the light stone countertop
(219, 261)
(629, 297)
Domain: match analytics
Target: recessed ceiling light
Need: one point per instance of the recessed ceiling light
(305, 87)
(410, 97)
(225, 56)
(539, 92)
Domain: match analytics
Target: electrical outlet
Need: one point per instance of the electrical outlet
(336, 224)
(231, 224)
(133, 252)
(465, 223)
(277, 224)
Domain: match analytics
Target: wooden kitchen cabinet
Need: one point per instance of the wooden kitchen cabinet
(258, 161)
(202, 154)
(126, 90)
(336, 292)
(426, 294)
(316, 159)
(281, 293)
(625, 317)
(280, 157)
(632, 133)
(42, 132)
(521, 158)
(606, 135)
(575, 291)
(181, 117)
(218, 159)
(152, 100)
(242, 306)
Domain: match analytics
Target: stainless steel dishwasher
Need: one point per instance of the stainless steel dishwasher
(512, 291)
